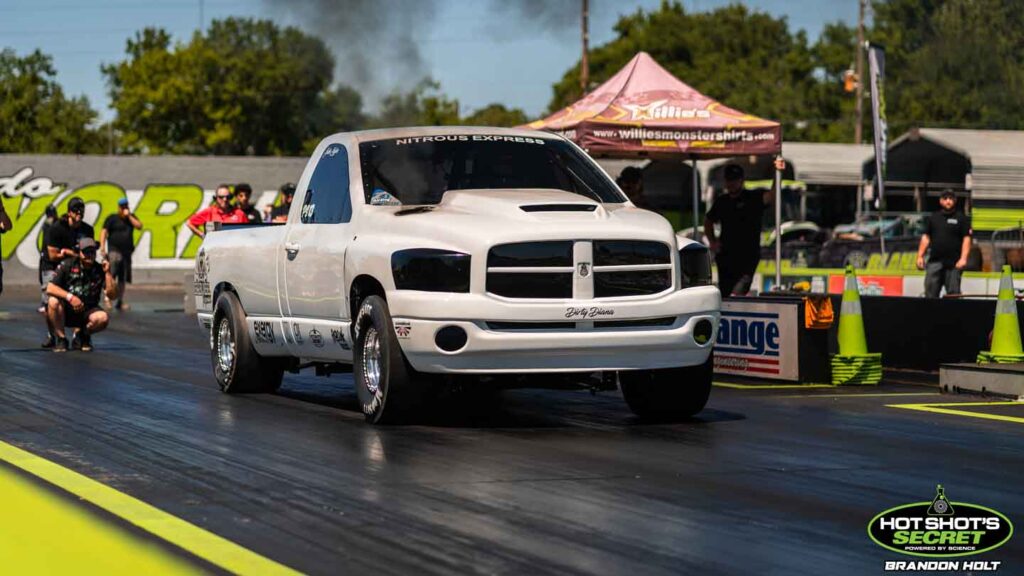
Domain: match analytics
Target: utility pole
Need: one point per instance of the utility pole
(201, 19)
(585, 62)
(857, 131)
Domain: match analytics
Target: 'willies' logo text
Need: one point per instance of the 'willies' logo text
(940, 529)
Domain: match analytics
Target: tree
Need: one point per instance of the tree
(424, 105)
(36, 116)
(953, 63)
(246, 86)
(496, 115)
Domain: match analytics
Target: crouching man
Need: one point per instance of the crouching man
(74, 297)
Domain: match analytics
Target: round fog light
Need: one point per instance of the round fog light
(450, 338)
(702, 332)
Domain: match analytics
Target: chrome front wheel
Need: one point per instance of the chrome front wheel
(225, 346)
(372, 360)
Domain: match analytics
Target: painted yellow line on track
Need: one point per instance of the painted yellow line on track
(940, 409)
(770, 386)
(43, 532)
(205, 545)
(880, 394)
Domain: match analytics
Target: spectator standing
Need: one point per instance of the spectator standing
(5, 225)
(280, 212)
(948, 234)
(220, 211)
(61, 243)
(48, 220)
(738, 250)
(631, 180)
(75, 297)
(243, 194)
(117, 243)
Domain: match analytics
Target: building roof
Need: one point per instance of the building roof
(995, 158)
(825, 163)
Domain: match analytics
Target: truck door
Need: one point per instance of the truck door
(314, 246)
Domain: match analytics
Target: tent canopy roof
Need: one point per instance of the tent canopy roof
(645, 111)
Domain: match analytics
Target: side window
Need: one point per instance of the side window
(327, 200)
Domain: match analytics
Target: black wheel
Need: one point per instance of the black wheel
(387, 386)
(669, 393)
(236, 365)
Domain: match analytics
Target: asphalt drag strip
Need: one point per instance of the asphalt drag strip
(778, 480)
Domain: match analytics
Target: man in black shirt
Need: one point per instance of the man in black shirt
(243, 193)
(5, 225)
(61, 243)
(75, 297)
(118, 238)
(631, 181)
(280, 212)
(948, 233)
(44, 256)
(739, 249)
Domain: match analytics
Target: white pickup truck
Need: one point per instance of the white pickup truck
(411, 254)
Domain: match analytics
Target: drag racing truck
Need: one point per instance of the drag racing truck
(412, 256)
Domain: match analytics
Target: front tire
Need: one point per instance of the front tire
(237, 366)
(668, 393)
(386, 384)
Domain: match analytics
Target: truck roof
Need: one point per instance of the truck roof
(414, 131)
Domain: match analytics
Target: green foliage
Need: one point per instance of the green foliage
(246, 86)
(496, 115)
(36, 116)
(424, 105)
(953, 63)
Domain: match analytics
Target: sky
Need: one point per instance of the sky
(477, 54)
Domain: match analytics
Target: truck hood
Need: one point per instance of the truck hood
(470, 218)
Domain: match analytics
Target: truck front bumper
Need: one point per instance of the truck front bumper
(537, 336)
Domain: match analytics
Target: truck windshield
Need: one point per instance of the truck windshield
(419, 170)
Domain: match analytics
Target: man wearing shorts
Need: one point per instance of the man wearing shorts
(75, 293)
(117, 242)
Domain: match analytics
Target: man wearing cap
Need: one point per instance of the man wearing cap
(631, 181)
(61, 243)
(220, 211)
(75, 297)
(5, 225)
(738, 250)
(243, 194)
(117, 242)
(948, 234)
(280, 212)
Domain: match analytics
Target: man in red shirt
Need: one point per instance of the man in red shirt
(221, 211)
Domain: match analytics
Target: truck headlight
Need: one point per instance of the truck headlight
(430, 270)
(695, 263)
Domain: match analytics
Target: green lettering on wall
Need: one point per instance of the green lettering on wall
(163, 228)
(105, 194)
(22, 221)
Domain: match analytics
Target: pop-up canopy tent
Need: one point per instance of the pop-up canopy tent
(644, 111)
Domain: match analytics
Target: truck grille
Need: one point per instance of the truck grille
(580, 269)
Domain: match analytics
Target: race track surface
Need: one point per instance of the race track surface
(765, 481)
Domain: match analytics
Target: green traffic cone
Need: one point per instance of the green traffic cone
(1006, 344)
(852, 341)
(854, 364)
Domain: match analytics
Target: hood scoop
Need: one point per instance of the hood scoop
(558, 207)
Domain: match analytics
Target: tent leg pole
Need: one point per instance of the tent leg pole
(778, 229)
(696, 202)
